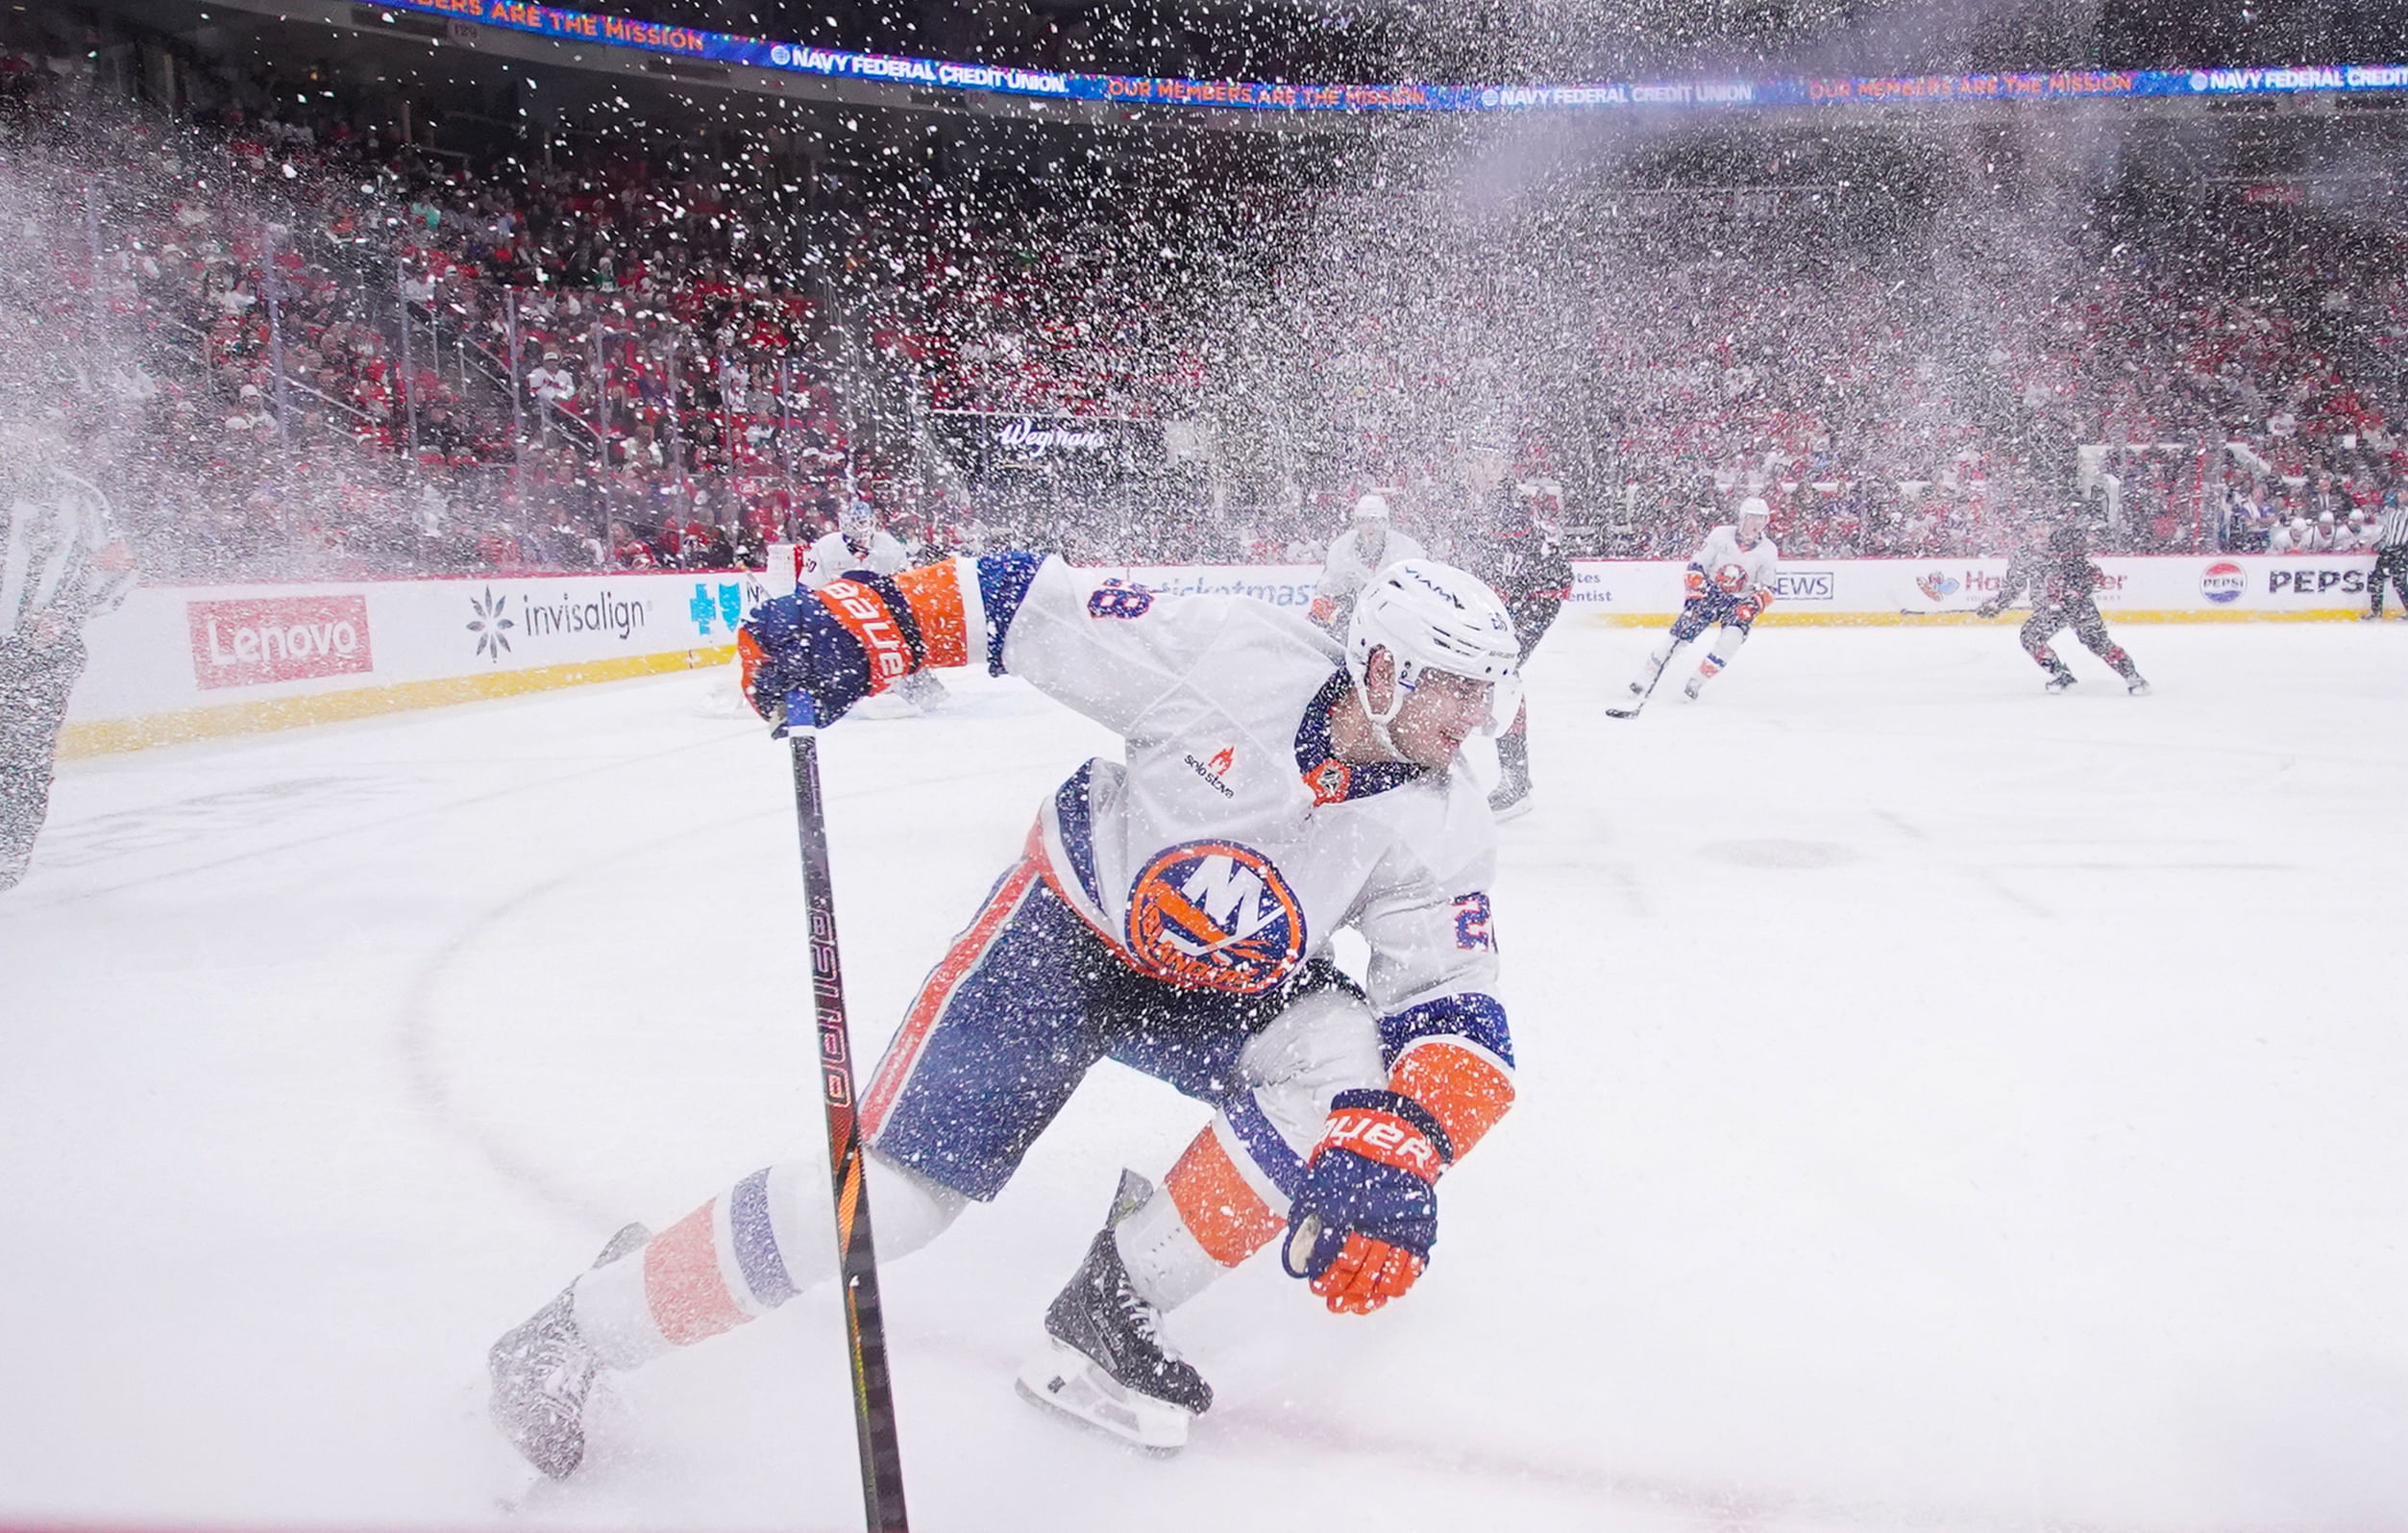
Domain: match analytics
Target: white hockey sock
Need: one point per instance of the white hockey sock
(743, 1254)
(1657, 659)
(1726, 649)
(1166, 1266)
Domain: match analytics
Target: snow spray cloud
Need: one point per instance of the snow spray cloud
(172, 310)
(1664, 314)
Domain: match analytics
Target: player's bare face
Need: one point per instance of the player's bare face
(1438, 715)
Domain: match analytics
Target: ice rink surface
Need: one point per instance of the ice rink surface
(1943, 1107)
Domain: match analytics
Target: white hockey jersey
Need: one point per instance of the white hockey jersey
(1345, 570)
(1228, 845)
(1737, 571)
(831, 556)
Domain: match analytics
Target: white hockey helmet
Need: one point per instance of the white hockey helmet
(1371, 507)
(1433, 616)
(1755, 505)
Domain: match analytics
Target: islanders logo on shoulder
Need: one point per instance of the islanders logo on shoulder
(1215, 915)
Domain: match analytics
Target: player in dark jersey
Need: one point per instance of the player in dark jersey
(2054, 563)
(1513, 542)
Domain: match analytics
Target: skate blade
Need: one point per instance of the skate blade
(1065, 1382)
(1622, 713)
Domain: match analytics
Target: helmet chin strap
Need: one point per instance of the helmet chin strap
(1377, 719)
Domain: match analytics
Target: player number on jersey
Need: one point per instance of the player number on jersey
(1471, 924)
(1112, 599)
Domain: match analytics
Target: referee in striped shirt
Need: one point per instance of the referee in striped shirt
(62, 562)
(2391, 554)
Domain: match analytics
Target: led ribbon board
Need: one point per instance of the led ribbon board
(1253, 95)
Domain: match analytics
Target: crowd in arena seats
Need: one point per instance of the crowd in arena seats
(608, 364)
(1888, 411)
(674, 403)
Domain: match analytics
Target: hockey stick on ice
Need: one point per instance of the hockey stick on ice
(857, 1262)
(1632, 712)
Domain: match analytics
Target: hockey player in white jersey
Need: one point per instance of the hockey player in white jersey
(1173, 911)
(1370, 545)
(1727, 587)
(858, 544)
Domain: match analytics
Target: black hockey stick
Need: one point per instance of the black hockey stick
(857, 1261)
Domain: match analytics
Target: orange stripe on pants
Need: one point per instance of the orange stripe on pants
(928, 1007)
(683, 1284)
(1227, 1218)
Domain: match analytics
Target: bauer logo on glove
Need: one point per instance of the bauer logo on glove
(1362, 1226)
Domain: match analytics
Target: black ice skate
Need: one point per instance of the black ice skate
(2136, 687)
(1106, 1364)
(2059, 682)
(541, 1372)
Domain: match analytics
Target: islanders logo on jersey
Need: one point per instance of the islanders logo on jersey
(1215, 915)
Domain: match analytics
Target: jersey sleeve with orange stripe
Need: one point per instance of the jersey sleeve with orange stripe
(1115, 653)
(1143, 664)
(1431, 981)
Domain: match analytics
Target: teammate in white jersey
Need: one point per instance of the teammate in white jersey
(858, 544)
(1727, 587)
(1173, 911)
(1370, 545)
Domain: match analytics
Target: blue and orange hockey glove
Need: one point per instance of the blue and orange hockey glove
(1362, 1226)
(809, 656)
(1693, 583)
(1745, 610)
